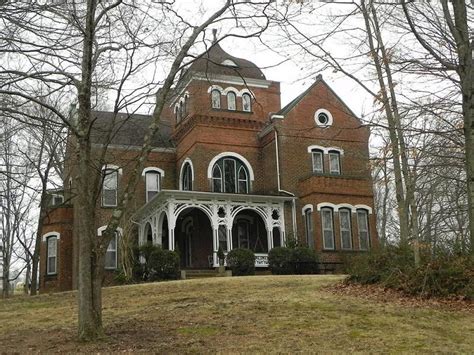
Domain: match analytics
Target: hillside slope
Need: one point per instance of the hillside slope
(239, 314)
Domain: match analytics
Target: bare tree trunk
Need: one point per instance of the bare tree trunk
(392, 124)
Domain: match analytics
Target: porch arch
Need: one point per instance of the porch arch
(250, 230)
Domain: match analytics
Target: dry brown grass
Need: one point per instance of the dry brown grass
(246, 314)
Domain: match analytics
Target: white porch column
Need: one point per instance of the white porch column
(229, 239)
(215, 243)
(270, 239)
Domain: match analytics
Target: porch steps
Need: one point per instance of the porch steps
(200, 274)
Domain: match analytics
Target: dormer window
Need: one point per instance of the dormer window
(229, 63)
(216, 99)
(231, 101)
(246, 103)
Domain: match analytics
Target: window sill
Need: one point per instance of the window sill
(227, 110)
(109, 207)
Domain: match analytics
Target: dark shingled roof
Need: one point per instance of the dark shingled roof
(128, 129)
(211, 62)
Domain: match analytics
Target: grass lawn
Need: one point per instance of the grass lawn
(239, 314)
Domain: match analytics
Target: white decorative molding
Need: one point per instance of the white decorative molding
(187, 160)
(51, 234)
(231, 89)
(325, 150)
(230, 154)
(246, 91)
(364, 207)
(307, 207)
(112, 167)
(337, 207)
(103, 228)
(326, 204)
(155, 169)
(328, 114)
(215, 87)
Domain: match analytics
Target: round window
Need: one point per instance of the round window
(323, 118)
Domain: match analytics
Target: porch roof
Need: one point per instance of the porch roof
(209, 197)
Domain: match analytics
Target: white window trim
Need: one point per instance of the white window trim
(154, 169)
(112, 167)
(313, 152)
(103, 228)
(231, 89)
(45, 238)
(338, 171)
(115, 170)
(187, 160)
(215, 87)
(330, 119)
(336, 208)
(234, 155)
(307, 207)
(325, 150)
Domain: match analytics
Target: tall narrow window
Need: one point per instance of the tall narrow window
(345, 227)
(52, 257)
(176, 113)
(229, 176)
(246, 102)
(186, 99)
(334, 163)
(217, 179)
(187, 182)
(318, 162)
(308, 222)
(153, 180)
(216, 98)
(111, 254)
(363, 226)
(243, 181)
(181, 110)
(231, 101)
(109, 188)
(328, 228)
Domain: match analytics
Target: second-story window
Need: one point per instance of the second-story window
(230, 175)
(231, 101)
(216, 98)
(318, 162)
(109, 188)
(328, 228)
(334, 163)
(187, 182)
(153, 184)
(246, 103)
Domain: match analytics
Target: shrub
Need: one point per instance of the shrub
(442, 275)
(279, 261)
(159, 264)
(304, 260)
(296, 260)
(241, 262)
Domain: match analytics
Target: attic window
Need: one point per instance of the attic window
(229, 63)
(323, 118)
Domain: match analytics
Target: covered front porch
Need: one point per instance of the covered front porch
(197, 224)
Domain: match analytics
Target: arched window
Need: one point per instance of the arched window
(111, 254)
(327, 224)
(246, 103)
(187, 177)
(243, 180)
(217, 179)
(334, 162)
(308, 224)
(318, 161)
(153, 184)
(345, 227)
(231, 101)
(109, 187)
(52, 254)
(186, 98)
(230, 175)
(216, 98)
(181, 110)
(363, 226)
